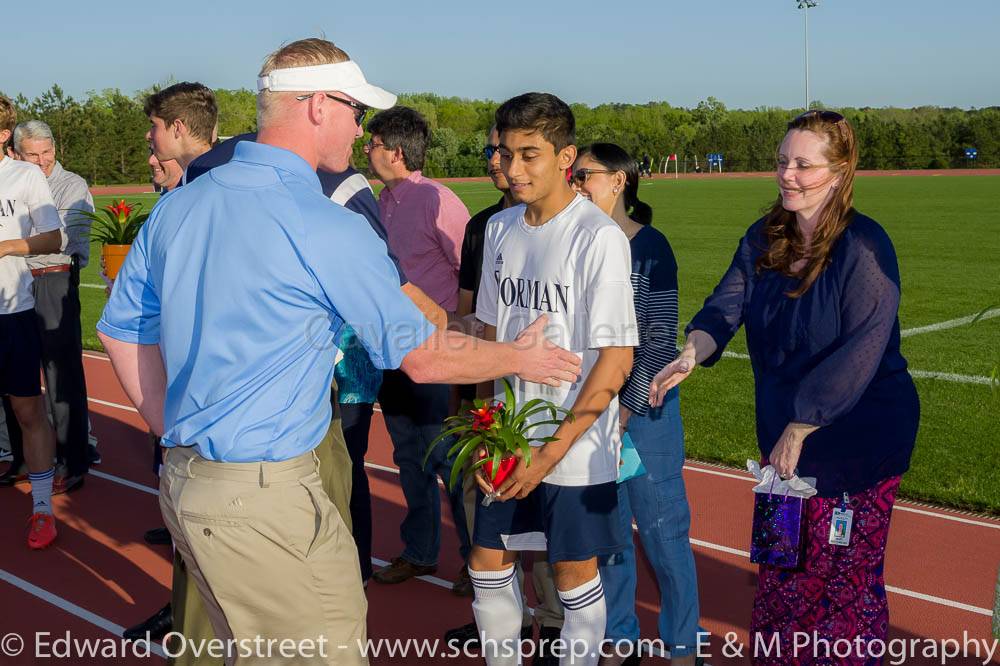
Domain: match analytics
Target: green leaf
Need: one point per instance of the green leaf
(497, 455)
(456, 468)
(509, 395)
(510, 444)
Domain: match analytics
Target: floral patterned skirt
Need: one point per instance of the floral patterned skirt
(835, 602)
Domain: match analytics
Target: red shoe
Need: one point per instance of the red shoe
(42, 531)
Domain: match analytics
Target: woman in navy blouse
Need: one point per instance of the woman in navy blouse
(816, 286)
(608, 176)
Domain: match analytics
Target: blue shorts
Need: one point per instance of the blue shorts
(573, 523)
(20, 355)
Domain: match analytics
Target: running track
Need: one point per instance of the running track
(100, 575)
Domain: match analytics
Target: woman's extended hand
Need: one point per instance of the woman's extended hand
(672, 374)
(785, 454)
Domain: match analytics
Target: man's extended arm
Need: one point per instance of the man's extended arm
(449, 357)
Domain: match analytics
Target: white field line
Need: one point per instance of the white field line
(698, 542)
(69, 607)
(917, 374)
(88, 285)
(951, 323)
(952, 377)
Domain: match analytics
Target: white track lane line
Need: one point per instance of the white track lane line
(742, 553)
(125, 408)
(125, 482)
(896, 507)
(71, 608)
(697, 542)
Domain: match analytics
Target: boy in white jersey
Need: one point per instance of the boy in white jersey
(556, 254)
(26, 207)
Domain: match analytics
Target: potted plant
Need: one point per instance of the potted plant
(115, 226)
(499, 431)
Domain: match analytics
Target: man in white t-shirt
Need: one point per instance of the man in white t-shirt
(26, 208)
(555, 254)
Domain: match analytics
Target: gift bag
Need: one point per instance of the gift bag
(778, 515)
(631, 465)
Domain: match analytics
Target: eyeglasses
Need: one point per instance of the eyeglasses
(489, 151)
(785, 166)
(370, 145)
(360, 110)
(580, 176)
(825, 116)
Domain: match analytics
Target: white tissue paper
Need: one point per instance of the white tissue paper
(770, 483)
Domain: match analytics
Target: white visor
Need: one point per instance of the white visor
(343, 76)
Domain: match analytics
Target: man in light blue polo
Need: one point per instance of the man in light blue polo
(221, 329)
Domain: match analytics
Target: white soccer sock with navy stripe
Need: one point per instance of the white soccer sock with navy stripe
(41, 490)
(586, 620)
(497, 608)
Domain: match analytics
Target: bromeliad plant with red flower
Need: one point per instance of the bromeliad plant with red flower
(500, 430)
(115, 226)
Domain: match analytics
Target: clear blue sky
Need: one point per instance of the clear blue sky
(746, 53)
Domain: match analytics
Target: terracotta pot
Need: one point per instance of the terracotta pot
(114, 257)
(507, 465)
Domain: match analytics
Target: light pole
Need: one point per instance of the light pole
(806, 5)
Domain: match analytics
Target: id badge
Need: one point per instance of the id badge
(840, 527)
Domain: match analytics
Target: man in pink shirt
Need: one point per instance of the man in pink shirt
(425, 222)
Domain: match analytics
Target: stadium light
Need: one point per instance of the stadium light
(807, 5)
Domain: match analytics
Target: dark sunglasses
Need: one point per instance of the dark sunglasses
(580, 176)
(825, 116)
(360, 110)
(490, 151)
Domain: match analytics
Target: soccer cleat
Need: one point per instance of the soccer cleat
(42, 531)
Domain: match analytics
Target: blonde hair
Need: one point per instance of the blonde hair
(785, 244)
(301, 53)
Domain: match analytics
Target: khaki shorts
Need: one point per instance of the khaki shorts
(270, 555)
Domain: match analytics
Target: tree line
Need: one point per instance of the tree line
(101, 137)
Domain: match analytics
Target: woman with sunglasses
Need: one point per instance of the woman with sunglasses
(816, 285)
(608, 176)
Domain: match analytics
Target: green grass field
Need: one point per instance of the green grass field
(947, 235)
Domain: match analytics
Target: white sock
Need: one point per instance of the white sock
(41, 490)
(586, 617)
(497, 608)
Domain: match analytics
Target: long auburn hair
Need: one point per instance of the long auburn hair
(785, 244)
